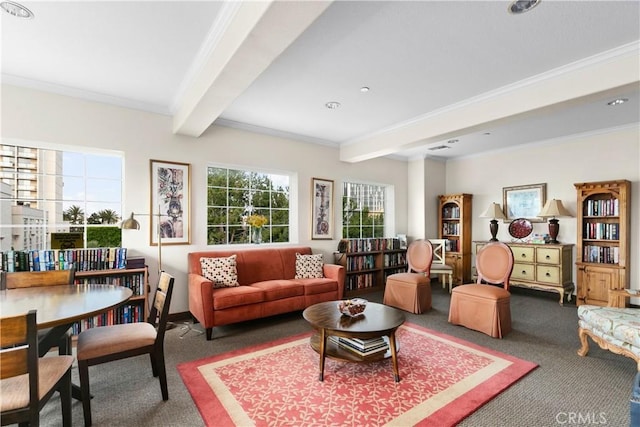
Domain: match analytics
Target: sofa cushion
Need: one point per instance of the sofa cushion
(236, 296)
(279, 289)
(318, 286)
(221, 271)
(309, 266)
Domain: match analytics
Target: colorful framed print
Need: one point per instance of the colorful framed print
(322, 222)
(170, 203)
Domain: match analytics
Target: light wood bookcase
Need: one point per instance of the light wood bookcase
(454, 225)
(602, 255)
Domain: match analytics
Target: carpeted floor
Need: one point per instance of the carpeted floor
(565, 386)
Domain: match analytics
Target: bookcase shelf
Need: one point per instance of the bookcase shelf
(135, 310)
(454, 225)
(604, 212)
(368, 263)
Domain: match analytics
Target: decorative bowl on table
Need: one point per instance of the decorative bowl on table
(352, 307)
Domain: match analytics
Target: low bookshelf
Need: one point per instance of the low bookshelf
(368, 263)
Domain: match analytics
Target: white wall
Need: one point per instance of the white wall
(560, 164)
(34, 116)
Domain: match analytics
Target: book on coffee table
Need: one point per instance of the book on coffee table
(362, 347)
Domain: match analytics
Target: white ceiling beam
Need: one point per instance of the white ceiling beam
(252, 38)
(574, 82)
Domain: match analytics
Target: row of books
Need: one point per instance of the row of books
(600, 230)
(135, 282)
(361, 262)
(63, 259)
(360, 347)
(601, 254)
(360, 281)
(370, 245)
(451, 212)
(607, 207)
(129, 313)
(393, 259)
(451, 228)
(452, 245)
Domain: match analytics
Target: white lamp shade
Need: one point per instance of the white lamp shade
(493, 211)
(554, 208)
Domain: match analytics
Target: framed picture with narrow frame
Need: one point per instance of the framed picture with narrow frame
(524, 201)
(170, 203)
(322, 222)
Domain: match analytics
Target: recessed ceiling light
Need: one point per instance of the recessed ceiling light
(364, 89)
(617, 101)
(439, 147)
(17, 10)
(332, 105)
(521, 6)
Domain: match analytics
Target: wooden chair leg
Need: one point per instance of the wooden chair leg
(83, 370)
(65, 398)
(162, 374)
(154, 364)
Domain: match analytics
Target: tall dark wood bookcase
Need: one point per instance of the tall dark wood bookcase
(602, 258)
(454, 225)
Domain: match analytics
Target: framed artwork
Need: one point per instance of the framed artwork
(321, 209)
(170, 203)
(524, 201)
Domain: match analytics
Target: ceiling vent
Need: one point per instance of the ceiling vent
(439, 147)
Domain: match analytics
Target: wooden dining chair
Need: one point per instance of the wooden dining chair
(114, 342)
(32, 279)
(439, 265)
(481, 306)
(27, 382)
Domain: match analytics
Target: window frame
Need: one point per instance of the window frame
(388, 206)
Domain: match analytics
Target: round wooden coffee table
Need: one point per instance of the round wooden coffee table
(377, 320)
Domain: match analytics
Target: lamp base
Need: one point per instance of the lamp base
(554, 228)
(493, 228)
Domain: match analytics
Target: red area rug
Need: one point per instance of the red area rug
(443, 380)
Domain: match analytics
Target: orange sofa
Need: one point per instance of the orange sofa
(267, 286)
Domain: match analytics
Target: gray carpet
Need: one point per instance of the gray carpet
(593, 389)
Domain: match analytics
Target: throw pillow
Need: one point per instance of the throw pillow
(221, 271)
(309, 266)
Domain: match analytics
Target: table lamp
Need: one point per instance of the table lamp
(494, 211)
(552, 209)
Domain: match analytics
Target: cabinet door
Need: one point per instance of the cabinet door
(594, 284)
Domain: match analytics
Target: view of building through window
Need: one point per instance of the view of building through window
(362, 210)
(55, 199)
(245, 206)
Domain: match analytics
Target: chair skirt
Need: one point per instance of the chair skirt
(408, 291)
(483, 308)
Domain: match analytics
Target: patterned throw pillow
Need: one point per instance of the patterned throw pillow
(309, 266)
(221, 271)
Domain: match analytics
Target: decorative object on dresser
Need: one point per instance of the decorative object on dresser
(411, 291)
(602, 255)
(524, 201)
(481, 306)
(520, 228)
(368, 263)
(494, 211)
(552, 209)
(542, 267)
(454, 224)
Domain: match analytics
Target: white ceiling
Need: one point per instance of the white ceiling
(437, 71)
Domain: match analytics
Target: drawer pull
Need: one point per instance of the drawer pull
(547, 257)
(524, 272)
(547, 274)
(523, 255)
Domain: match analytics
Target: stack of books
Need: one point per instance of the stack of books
(362, 348)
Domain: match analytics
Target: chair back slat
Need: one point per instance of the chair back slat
(439, 250)
(159, 314)
(19, 353)
(30, 279)
(494, 264)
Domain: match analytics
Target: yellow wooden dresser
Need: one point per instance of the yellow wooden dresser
(543, 267)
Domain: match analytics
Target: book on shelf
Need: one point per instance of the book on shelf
(63, 259)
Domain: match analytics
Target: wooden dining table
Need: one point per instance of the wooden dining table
(59, 307)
